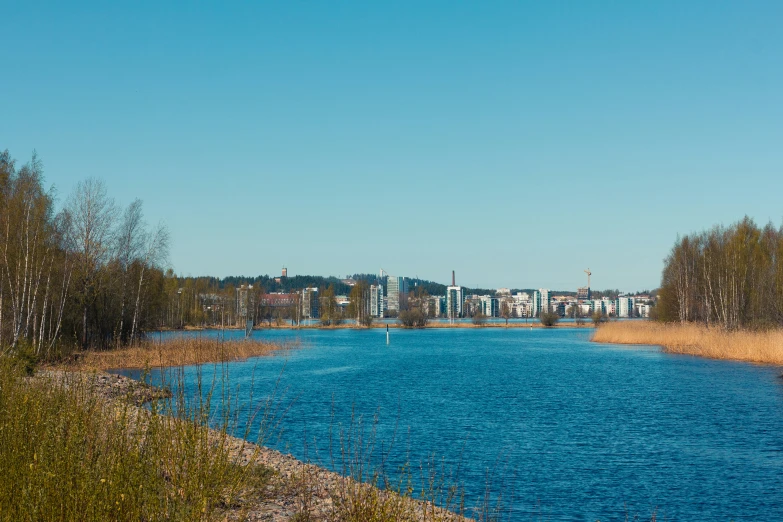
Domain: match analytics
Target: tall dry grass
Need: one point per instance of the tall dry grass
(181, 351)
(68, 453)
(753, 346)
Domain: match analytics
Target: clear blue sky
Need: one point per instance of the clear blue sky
(517, 143)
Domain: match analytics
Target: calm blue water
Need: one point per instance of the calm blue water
(573, 430)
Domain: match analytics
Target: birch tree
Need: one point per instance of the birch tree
(155, 252)
(26, 247)
(93, 215)
(130, 243)
(726, 276)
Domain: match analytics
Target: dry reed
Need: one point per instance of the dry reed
(715, 343)
(175, 352)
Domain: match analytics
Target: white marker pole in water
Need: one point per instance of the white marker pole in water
(387, 333)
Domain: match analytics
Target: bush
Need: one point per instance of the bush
(599, 318)
(549, 319)
(414, 318)
(479, 319)
(25, 358)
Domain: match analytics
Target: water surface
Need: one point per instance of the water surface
(570, 429)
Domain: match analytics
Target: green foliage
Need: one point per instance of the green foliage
(67, 456)
(24, 357)
(285, 285)
(86, 275)
(549, 319)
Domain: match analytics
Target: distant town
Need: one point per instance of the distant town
(388, 296)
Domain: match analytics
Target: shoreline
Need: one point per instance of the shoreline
(173, 352)
(188, 350)
(376, 325)
(296, 488)
(758, 347)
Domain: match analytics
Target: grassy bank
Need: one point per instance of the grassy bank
(75, 445)
(73, 448)
(752, 346)
(69, 454)
(176, 351)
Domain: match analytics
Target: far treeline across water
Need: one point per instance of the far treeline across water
(84, 273)
(726, 276)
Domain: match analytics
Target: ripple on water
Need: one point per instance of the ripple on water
(572, 430)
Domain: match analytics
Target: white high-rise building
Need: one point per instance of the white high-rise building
(542, 301)
(396, 293)
(376, 300)
(489, 306)
(624, 306)
(522, 304)
(454, 300)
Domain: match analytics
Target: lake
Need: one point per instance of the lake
(565, 429)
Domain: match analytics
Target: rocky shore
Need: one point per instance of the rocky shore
(109, 386)
(292, 490)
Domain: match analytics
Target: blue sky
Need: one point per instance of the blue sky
(517, 143)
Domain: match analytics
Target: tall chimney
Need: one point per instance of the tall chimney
(453, 279)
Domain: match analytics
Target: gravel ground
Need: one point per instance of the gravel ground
(296, 488)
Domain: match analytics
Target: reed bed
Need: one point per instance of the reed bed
(182, 351)
(764, 347)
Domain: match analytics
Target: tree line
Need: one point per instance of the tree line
(86, 275)
(725, 276)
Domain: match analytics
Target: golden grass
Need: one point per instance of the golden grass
(175, 352)
(715, 343)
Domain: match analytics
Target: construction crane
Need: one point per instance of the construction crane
(589, 273)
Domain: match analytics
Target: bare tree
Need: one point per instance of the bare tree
(130, 239)
(359, 303)
(93, 215)
(155, 251)
(505, 309)
(726, 276)
(63, 228)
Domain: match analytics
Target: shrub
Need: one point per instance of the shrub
(414, 318)
(25, 358)
(599, 318)
(549, 319)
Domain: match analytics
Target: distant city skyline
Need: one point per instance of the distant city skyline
(409, 278)
(516, 143)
